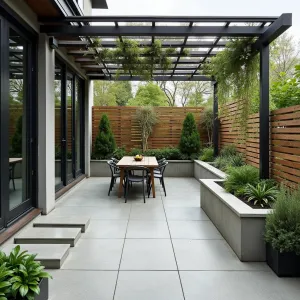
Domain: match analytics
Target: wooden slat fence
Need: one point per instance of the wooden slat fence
(284, 140)
(231, 132)
(285, 144)
(166, 132)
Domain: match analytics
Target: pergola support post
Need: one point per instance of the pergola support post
(264, 113)
(216, 121)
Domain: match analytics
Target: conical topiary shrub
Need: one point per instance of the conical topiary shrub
(105, 143)
(190, 140)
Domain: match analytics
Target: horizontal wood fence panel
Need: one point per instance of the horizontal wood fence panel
(284, 139)
(166, 133)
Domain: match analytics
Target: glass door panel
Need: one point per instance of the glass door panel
(78, 133)
(58, 127)
(69, 118)
(20, 124)
(17, 121)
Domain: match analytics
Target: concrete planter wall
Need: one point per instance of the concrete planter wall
(175, 168)
(204, 170)
(241, 226)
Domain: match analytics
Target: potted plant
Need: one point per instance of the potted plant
(283, 234)
(21, 277)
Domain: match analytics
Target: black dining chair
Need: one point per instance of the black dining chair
(114, 175)
(160, 162)
(160, 176)
(130, 178)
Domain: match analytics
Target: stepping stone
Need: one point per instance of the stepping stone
(50, 256)
(62, 222)
(53, 235)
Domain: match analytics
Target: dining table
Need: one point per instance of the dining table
(149, 162)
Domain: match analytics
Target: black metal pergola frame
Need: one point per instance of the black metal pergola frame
(202, 36)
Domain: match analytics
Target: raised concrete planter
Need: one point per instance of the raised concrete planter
(241, 226)
(175, 168)
(204, 170)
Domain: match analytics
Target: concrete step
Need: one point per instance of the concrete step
(62, 222)
(50, 256)
(37, 235)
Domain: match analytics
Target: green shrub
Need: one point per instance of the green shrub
(222, 163)
(283, 224)
(135, 151)
(261, 194)
(207, 154)
(105, 143)
(20, 275)
(167, 153)
(228, 150)
(189, 144)
(16, 142)
(119, 153)
(238, 179)
(236, 160)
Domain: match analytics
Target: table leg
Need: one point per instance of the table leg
(152, 181)
(121, 182)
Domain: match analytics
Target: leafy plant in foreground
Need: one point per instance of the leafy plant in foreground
(261, 194)
(283, 224)
(238, 179)
(20, 275)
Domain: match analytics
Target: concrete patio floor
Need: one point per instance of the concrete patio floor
(166, 249)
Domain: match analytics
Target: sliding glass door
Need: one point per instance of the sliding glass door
(18, 116)
(69, 120)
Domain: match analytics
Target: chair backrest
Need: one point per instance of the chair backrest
(144, 170)
(163, 166)
(160, 161)
(112, 166)
(115, 160)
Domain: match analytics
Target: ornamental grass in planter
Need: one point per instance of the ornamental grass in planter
(21, 277)
(282, 234)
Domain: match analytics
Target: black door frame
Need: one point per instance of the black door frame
(10, 20)
(67, 71)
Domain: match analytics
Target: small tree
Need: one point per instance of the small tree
(190, 139)
(146, 118)
(16, 142)
(207, 121)
(105, 143)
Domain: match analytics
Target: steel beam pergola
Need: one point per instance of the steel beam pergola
(203, 37)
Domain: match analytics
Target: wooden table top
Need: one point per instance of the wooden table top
(147, 161)
(13, 160)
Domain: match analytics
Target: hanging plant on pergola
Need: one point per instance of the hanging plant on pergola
(132, 58)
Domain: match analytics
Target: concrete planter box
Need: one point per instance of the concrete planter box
(241, 226)
(175, 168)
(204, 170)
(44, 290)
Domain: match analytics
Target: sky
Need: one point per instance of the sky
(205, 8)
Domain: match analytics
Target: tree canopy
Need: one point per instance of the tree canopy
(149, 94)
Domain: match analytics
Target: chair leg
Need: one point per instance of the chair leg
(126, 188)
(111, 185)
(163, 184)
(144, 191)
(13, 180)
